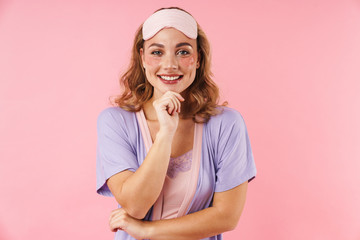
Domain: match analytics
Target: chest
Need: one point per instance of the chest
(183, 140)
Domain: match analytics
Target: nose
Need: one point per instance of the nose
(170, 61)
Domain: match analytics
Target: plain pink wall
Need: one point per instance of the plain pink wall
(290, 67)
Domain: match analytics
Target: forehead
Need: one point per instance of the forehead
(170, 37)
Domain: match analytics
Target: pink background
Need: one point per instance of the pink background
(290, 67)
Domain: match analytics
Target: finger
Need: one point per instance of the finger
(167, 104)
(116, 211)
(112, 225)
(178, 99)
(121, 214)
(178, 105)
(163, 101)
(174, 105)
(178, 96)
(116, 222)
(113, 228)
(113, 213)
(170, 110)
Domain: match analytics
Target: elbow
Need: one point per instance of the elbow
(135, 211)
(230, 222)
(231, 225)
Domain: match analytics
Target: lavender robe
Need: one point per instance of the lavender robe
(226, 155)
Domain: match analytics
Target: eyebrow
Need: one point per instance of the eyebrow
(156, 45)
(183, 44)
(177, 45)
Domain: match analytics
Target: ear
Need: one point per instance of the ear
(142, 57)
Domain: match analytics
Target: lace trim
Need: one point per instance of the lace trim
(179, 164)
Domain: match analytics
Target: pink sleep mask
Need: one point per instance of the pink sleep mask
(175, 18)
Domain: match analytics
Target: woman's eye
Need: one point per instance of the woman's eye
(183, 52)
(156, 53)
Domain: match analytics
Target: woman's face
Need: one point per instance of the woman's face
(170, 60)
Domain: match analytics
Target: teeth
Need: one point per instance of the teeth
(170, 78)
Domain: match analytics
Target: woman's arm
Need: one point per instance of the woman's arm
(222, 216)
(137, 191)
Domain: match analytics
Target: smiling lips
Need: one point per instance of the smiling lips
(170, 79)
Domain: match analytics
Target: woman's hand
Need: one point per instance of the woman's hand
(121, 220)
(167, 108)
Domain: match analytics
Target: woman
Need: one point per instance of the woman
(177, 163)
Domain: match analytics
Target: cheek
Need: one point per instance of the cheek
(152, 61)
(188, 62)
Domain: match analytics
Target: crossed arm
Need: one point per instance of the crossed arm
(222, 216)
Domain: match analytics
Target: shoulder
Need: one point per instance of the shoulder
(115, 116)
(227, 117)
(229, 122)
(115, 113)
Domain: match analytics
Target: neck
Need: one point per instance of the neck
(149, 110)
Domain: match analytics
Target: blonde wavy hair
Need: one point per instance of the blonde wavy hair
(201, 96)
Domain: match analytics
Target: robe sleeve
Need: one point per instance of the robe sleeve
(114, 151)
(235, 161)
